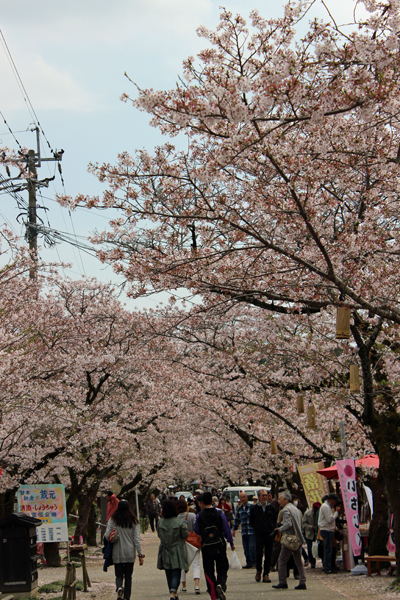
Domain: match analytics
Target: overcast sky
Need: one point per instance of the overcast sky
(71, 57)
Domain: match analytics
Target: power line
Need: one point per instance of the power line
(86, 210)
(17, 76)
(10, 130)
(22, 88)
(32, 229)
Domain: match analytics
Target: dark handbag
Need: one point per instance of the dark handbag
(338, 536)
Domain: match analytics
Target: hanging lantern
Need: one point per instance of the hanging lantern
(274, 446)
(300, 404)
(354, 378)
(311, 417)
(287, 462)
(343, 323)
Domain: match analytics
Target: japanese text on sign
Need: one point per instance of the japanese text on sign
(347, 476)
(315, 485)
(47, 503)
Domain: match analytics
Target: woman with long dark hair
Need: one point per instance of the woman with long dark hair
(172, 552)
(123, 531)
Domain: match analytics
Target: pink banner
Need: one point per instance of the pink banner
(347, 476)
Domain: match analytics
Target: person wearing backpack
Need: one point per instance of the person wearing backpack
(211, 525)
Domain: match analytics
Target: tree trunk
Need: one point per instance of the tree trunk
(73, 493)
(379, 529)
(52, 554)
(92, 527)
(84, 511)
(387, 433)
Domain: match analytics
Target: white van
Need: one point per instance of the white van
(251, 490)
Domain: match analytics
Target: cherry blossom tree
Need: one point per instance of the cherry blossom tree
(286, 198)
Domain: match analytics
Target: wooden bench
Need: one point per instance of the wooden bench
(378, 560)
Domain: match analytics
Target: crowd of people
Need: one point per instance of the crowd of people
(274, 532)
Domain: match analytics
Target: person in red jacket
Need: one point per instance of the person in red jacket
(112, 504)
(224, 505)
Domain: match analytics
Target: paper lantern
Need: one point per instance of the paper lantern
(354, 378)
(343, 323)
(311, 416)
(116, 487)
(274, 447)
(300, 404)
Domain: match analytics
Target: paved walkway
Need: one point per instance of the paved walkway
(150, 584)
(241, 583)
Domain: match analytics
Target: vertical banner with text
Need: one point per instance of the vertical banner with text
(315, 485)
(347, 476)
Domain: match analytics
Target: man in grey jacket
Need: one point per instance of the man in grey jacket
(292, 524)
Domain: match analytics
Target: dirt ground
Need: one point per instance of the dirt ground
(149, 583)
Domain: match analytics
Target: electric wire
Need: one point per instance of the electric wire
(9, 224)
(66, 227)
(35, 118)
(22, 88)
(10, 130)
(13, 132)
(48, 223)
(79, 208)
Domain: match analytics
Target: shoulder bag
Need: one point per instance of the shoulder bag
(291, 541)
(193, 538)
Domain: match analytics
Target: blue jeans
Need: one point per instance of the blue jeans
(327, 536)
(173, 579)
(249, 548)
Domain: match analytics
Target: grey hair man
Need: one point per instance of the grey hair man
(291, 525)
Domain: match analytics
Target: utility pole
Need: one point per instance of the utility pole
(34, 160)
(343, 438)
(32, 221)
(14, 185)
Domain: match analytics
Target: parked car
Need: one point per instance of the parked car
(233, 493)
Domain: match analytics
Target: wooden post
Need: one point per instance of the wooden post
(85, 574)
(311, 417)
(343, 323)
(354, 378)
(300, 404)
(73, 584)
(67, 581)
(274, 446)
(69, 591)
